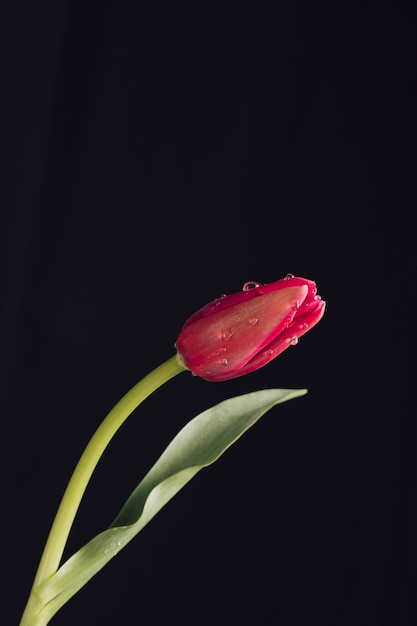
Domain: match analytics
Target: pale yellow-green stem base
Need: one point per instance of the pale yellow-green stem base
(77, 485)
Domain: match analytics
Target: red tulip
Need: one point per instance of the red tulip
(240, 333)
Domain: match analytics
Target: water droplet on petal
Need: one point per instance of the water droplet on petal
(294, 340)
(221, 351)
(251, 284)
(224, 361)
(270, 352)
(289, 275)
(227, 334)
(253, 321)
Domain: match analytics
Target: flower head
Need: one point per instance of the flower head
(240, 333)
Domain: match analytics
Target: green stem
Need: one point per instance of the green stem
(77, 485)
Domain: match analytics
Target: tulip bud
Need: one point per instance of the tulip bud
(240, 333)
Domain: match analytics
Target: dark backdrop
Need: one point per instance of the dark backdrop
(156, 155)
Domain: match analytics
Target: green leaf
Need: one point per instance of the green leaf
(201, 442)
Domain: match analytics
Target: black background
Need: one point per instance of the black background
(156, 155)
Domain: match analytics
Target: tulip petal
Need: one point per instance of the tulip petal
(239, 333)
(233, 337)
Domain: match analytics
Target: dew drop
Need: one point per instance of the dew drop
(270, 352)
(305, 325)
(251, 284)
(105, 551)
(294, 341)
(253, 321)
(221, 351)
(224, 361)
(227, 334)
(289, 275)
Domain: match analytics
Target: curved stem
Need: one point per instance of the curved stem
(77, 485)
